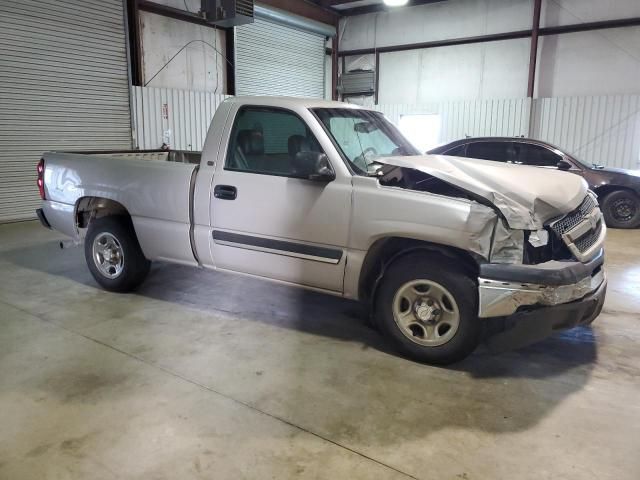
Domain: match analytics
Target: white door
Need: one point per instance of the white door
(273, 59)
(268, 222)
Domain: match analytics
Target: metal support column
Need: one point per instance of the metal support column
(533, 56)
(334, 68)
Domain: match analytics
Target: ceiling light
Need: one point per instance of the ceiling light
(395, 3)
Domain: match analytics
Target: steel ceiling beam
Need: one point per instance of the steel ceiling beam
(439, 43)
(306, 9)
(176, 13)
(380, 7)
(332, 3)
(573, 28)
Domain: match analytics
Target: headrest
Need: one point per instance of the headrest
(296, 144)
(251, 142)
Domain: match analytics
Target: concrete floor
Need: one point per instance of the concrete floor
(208, 375)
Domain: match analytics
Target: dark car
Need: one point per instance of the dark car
(618, 190)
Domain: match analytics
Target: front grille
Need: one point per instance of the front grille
(581, 229)
(587, 241)
(573, 219)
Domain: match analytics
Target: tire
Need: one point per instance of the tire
(621, 209)
(126, 267)
(430, 276)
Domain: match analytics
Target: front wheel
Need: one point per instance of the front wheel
(428, 308)
(621, 209)
(113, 254)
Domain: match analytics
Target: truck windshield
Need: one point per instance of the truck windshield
(364, 137)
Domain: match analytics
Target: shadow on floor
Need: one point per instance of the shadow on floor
(507, 392)
(302, 310)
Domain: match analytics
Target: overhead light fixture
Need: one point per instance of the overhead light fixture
(395, 3)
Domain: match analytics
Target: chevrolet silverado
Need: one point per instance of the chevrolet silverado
(446, 252)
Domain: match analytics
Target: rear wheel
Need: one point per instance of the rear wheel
(113, 254)
(428, 308)
(621, 209)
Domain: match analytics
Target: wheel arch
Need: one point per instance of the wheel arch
(385, 251)
(607, 189)
(91, 207)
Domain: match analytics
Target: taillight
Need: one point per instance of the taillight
(41, 178)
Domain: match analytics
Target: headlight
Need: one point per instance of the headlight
(539, 238)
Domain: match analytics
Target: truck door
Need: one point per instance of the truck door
(267, 221)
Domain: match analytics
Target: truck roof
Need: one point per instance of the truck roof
(290, 102)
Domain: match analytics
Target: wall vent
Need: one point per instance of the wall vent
(228, 13)
(357, 82)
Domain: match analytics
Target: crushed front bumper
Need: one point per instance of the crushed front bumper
(527, 327)
(505, 289)
(526, 303)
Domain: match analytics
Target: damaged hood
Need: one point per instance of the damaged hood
(528, 197)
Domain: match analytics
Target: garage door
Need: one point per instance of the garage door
(63, 85)
(274, 59)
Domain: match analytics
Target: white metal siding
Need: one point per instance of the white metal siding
(63, 86)
(598, 129)
(179, 117)
(474, 118)
(272, 59)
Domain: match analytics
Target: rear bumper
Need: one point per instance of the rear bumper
(43, 219)
(59, 217)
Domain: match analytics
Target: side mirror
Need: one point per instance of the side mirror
(564, 165)
(314, 166)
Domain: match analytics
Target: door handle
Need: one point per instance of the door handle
(225, 192)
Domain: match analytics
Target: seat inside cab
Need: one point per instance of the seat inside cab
(267, 142)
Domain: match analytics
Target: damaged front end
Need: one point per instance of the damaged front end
(493, 239)
(562, 264)
(542, 259)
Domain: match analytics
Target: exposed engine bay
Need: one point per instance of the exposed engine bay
(411, 179)
(506, 244)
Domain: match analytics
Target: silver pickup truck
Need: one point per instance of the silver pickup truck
(446, 252)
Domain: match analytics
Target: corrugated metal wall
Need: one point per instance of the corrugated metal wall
(63, 86)
(507, 117)
(599, 129)
(180, 118)
(603, 129)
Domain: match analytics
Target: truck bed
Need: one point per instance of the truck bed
(176, 156)
(156, 188)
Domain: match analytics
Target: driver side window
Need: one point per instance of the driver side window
(266, 140)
